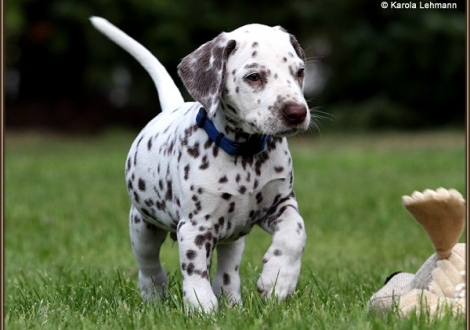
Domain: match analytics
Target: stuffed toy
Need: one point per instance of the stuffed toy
(439, 285)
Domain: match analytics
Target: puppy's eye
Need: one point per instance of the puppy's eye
(253, 77)
(300, 73)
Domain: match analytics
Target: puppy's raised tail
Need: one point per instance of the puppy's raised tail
(168, 94)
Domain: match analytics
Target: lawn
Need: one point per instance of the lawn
(68, 262)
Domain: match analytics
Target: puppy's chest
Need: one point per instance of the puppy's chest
(232, 196)
(178, 174)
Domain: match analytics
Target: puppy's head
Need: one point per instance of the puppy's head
(255, 74)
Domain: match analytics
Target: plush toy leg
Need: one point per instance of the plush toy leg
(449, 277)
(390, 294)
(435, 305)
(442, 215)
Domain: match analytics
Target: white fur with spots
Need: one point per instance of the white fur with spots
(250, 81)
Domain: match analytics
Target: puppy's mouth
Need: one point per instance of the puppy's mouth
(280, 133)
(287, 133)
(277, 131)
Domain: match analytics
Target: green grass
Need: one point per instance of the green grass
(68, 262)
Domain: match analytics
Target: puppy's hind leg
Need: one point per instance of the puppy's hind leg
(146, 240)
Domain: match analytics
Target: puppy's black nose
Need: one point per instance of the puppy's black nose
(294, 113)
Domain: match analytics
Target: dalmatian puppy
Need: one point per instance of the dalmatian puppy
(210, 170)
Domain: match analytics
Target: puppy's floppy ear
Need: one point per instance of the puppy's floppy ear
(203, 71)
(298, 50)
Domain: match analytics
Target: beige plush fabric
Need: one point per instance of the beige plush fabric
(440, 283)
(390, 294)
(446, 290)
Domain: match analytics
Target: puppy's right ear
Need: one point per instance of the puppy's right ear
(203, 71)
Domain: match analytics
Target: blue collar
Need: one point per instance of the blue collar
(255, 143)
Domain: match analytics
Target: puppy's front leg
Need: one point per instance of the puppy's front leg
(282, 260)
(195, 252)
(227, 279)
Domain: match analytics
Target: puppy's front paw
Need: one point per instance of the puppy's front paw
(200, 300)
(279, 276)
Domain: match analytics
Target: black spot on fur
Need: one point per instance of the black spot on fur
(223, 179)
(226, 196)
(205, 163)
(191, 254)
(141, 184)
(161, 205)
(208, 143)
(278, 169)
(231, 207)
(190, 269)
(136, 197)
(208, 249)
(194, 151)
(199, 240)
(136, 219)
(226, 278)
(215, 151)
(248, 176)
(169, 192)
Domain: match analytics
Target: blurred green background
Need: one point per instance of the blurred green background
(369, 68)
